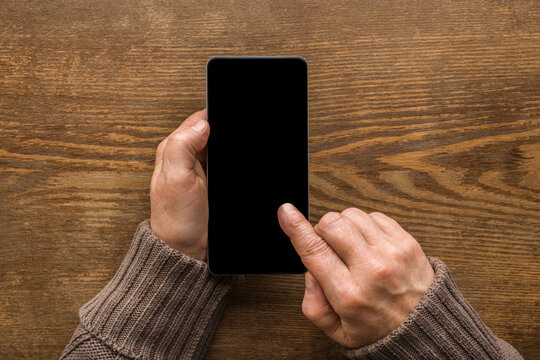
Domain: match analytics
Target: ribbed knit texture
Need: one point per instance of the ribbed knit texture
(161, 304)
(443, 325)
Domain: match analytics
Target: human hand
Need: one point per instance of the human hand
(365, 273)
(178, 196)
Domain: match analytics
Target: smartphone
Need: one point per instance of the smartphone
(256, 160)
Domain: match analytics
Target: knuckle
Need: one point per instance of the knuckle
(180, 139)
(406, 244)
(310, 311)
(363, 222)
(381, 271)
(296, 223)
(355, 213)
(413, 249)
(398, 254)
(350, 297)
(176, 137)
(316, 312)
(385, 219)
(382, 274)
(313, 246)
(352, 211)
(329, 220)
(378, 215)
(180, 179)
(361, 219)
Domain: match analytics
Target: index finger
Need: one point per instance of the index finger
(316, 254)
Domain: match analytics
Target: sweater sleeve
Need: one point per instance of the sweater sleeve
(160, 304)
(443, 325)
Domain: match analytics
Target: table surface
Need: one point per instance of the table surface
(427, 111)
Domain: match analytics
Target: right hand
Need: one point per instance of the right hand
(365, 273)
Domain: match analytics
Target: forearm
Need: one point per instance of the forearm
(443, 325)
(160, 304)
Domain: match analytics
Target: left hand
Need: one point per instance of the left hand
(178, 194)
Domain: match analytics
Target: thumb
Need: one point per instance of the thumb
(317, 309)
(185, 142)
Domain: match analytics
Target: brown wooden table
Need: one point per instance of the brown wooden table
(425, 110)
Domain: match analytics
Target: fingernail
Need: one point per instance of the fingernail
(311, 287)
(288, 208)
(199, 125)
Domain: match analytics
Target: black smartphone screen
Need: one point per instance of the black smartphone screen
(257, 159)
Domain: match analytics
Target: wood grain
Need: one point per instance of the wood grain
(428, 111)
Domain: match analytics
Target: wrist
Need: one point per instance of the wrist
(194, 247)
(442, 323)
(149, 299)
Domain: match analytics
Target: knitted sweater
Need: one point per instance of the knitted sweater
(162, 304)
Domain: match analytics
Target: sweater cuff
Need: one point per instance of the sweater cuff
(442, 325)
(161, 304)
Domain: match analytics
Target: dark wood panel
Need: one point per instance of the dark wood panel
(428, 111)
